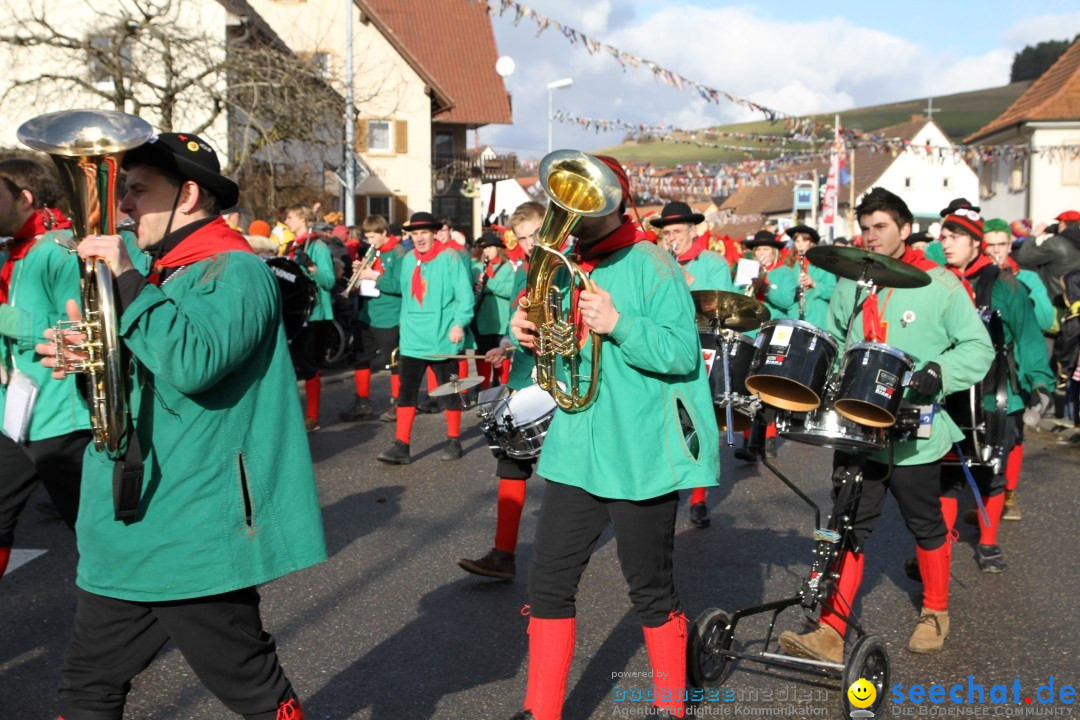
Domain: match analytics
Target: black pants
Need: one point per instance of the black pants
(571, 521)
(511, 469)
(953, 480)
(917, 489)
(487, 342)
(370, 343)
(411, 371)
(221, 637)
(307, 348)
(55, 461)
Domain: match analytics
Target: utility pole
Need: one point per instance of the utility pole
(350, 121)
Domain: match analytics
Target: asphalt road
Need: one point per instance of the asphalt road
(390, 627)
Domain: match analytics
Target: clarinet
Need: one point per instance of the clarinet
(801, 290)
(481, 283)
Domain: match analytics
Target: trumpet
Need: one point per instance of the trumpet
(365, 264)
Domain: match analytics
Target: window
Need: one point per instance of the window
(321, 62)
(444, 143)
(379, 135)
(907, 182)
(1070, 165)
(945, 183)
(103, 62)
(379, 205)
(1018, 175)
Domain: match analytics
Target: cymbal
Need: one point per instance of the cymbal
(732, 311)
(455, 385)
(857, 264)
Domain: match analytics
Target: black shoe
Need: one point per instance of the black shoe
(391, 413)
(361, 410)
(770, 447)
(989, 558)
(429, 406)
(746, 454)
(452, 451)
(497, 564)
(396, 454)
(699, 515)
(911, 569)
(523, 715)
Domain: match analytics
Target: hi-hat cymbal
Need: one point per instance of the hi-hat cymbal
(857, 264)
(455, 386)
(732, 311)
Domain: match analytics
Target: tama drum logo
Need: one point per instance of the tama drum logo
(284, 274)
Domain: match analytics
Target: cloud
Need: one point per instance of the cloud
(838, 63)
(1031, 31)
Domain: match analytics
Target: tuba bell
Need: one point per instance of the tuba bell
(86, 147)
(577, 185)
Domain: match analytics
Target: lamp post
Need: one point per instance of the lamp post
(350, 123)
(552, 87)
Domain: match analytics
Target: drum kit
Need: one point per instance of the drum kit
(516, 423)
(787, 371)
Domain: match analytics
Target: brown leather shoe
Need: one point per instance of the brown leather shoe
(930, 631)
(497, 564)
(1012, 510)
(824, 644)
(311, 424)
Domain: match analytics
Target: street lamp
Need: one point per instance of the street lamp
(552, 86)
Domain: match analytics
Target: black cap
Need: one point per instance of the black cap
(764, 237)
(422, 221)
(957, 204)
(918, 237)
(490, 239)
(791, 232)
(190, 157)
(675, 213)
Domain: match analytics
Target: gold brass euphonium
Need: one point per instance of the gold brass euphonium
(86, 147)
(578, 186)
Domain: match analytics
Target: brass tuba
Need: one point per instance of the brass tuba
(86, 147)
(578, 185)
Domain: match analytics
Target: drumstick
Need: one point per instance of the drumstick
(469, 356)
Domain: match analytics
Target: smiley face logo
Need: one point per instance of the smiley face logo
(193, 146)
(862, 693)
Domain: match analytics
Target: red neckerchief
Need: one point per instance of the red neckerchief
(20, 246)
(764, 290)
(1010, 265)
(700, 245)
(493, 266)
(387, 246)
(419, 286)
(296, 244)
(589, 257)
(970, 271)
(874, 328)
(211, 240)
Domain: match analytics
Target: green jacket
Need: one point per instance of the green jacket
(710, 272)
(1045, 315)
(448, 301)
(323, 276)
(1021, 330)
(41, 284)
(817, 297)
(630, 443)
(523, 363)
(936, 323)
(493, 311)
(228, 497)
(385, 311)
(780, 297)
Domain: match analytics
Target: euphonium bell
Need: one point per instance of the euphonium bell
(86, 147)
(578, 185)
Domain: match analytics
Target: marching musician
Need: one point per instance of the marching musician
(937, 326)
(599, 471)
(815, 284)
(375, 331)
(313, 256)
(495, 279)
(436, 307)
(37, 278)
(215, 509)
(1022, 366)
(500, 560)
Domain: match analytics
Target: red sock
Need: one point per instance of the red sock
(508, 515)
(395, 385)
(1012, 467)
(847, 587)
(363, 382)
(934, 568)
(453, 423)
(770, 430)
(432, 383)
(463, 368)
(667, 655)
(5, 555)
(697, 495)
(483, 369)
(994, 505)
(551, 649)
(948, 511)
(504, 372)
(404, 420)
(313, 389)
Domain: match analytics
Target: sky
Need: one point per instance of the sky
(796, 57)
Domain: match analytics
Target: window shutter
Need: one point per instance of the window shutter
(361, 136)
(400, 210)
(401, 136)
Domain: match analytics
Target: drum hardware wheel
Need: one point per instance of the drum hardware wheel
(710, 639)
(336, 344)
(869, 660)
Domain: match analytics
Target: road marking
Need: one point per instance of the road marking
(20, 557)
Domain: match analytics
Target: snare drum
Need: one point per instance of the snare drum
(872, 384)
(791, 363)
(740, 355)
(520, 422)
(825, 427)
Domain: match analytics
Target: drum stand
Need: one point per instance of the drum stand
(724, 339)
(711, 643)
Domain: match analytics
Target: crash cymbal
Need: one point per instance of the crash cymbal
(857, 264)
(455, 385)
(732, 311)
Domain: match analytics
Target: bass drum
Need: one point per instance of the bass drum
(298, 294)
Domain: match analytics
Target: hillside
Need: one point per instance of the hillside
(958, 115)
